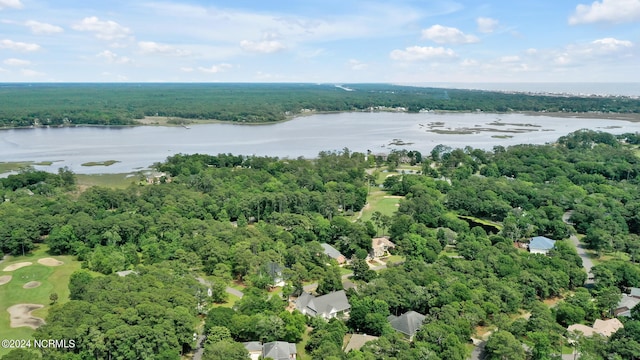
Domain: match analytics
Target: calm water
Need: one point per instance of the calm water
(139, 147)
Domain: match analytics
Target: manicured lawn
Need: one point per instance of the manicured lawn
(52, 279)
(381, 201)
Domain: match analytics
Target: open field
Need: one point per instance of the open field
(119, 181)
(23, 288)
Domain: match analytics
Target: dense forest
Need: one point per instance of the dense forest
(229, 218)
(125, 104)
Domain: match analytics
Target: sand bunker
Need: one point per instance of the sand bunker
(20, 315)
(17, 266)
(31, 285)
(5, 279)
(50, 262)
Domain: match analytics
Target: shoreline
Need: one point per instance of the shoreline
(164, 121)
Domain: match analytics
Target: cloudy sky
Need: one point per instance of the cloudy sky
(399, 41)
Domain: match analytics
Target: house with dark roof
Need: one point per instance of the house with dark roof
(408, 323)
(333, 253)
(276, 350)
(327, 306)
(541, 245)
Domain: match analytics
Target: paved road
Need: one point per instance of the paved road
(199, 348)
(586, 259)
(582, 251)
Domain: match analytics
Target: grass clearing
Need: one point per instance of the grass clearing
(379, 200)
(52, 279)
(231, 300)
(114, 181)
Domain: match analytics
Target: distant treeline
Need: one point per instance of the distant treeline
(124, 104)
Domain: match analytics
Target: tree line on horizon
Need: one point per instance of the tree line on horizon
(126, 104)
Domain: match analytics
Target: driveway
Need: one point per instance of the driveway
(229, 289)
(581, 250)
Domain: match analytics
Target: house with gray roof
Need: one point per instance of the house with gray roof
(275, 272)
(333, 253)
(276, 350)
(254, 348)
(541, 245)
(328, 306)
(625, 305)
(408, 323)
(635, 292)
(279, 350)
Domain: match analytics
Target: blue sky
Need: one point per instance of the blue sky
(328, 41)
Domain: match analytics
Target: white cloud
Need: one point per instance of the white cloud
(114, 58)
(486, 25)
(447, 35)
(357, 65)
(186, 69)
(104, 30)
(42, 28)
(611, 11)
(611, 45)
(10, 4)
(31, 73)
(265, 46)
(18, 46)
(16, 62)
(510, 59)
(420, 53)
(469, 63)
(151, 47)
(214, 69)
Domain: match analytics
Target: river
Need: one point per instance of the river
(137, 148)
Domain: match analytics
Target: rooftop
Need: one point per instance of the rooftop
(541, 243)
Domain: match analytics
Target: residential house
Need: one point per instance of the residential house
(605, 328)
(635, 292)
(275, 272)
(276, 350)
(333, 253)
(625, 305)
(254, 348)
(357, 341)
(408, 323)
(279, 350)
(541, 245)
(327, 306)
(380, 247)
